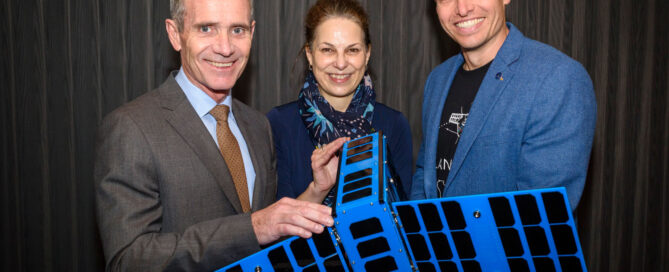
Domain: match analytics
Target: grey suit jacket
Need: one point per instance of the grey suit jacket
(165, 198)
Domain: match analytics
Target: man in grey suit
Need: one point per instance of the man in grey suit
(168, 198)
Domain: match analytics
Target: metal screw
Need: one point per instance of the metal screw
(477, 214)
(258, 269)
(371, 203)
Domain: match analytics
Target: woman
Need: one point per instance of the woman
(336, 100)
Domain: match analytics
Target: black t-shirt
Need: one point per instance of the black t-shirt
(454, 118)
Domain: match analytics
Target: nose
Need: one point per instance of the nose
(223, 45)
(464, 7)
(340, 62)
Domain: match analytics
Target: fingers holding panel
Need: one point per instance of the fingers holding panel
(290, 217)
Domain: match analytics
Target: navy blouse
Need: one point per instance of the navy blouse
(294, 147)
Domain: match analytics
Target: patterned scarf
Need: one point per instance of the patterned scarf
(325, 124)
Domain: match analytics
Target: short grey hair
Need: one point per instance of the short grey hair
(178, 10)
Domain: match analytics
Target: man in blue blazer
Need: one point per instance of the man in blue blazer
(508, 113)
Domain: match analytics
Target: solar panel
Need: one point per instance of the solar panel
(374, 231)
(515, 231)
(318, 253)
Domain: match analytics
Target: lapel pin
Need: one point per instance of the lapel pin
(499, 76)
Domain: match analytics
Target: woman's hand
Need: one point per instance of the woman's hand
(324, 163)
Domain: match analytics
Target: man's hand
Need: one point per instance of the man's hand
(324, 163)
(290, 217)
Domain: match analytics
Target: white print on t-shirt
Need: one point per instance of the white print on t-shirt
(440, 184)
(444, 163)
(456, 123)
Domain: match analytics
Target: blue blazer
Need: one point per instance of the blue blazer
(294, 147)
(530, 126)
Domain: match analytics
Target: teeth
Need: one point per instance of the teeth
(220, 64)
(469, 23)
(339, 76)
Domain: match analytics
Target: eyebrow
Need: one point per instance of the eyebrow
(329, 44)
(243, 25)
(205, 23)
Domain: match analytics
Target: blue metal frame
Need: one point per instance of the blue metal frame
(261, 262)
(377, 202)
(484, 233)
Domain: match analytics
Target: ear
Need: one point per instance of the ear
(307, 52)
(368, 54)
(506, 2)
(173, 34)
(253, 28)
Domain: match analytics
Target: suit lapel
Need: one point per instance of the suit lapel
(436, 101)
(496, 80)
(251, 139)
(181, 115)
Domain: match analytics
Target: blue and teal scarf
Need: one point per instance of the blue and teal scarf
(325, 124)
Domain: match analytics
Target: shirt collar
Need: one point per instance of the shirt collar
(201, 102)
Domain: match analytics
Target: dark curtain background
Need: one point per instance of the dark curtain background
(67, 63)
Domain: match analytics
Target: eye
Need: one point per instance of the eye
(327, 50)
(354, 50)
(238, 30)
(205, 29)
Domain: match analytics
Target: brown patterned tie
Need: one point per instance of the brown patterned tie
(231, 153)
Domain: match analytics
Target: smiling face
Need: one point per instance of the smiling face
(339, 56)
(476, 25)
(214, 43)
